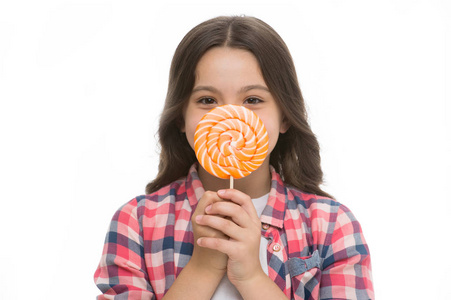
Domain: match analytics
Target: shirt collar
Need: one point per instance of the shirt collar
(194, 188)
(274, 212)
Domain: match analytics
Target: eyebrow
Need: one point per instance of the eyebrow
(205, 88)
(242, 90)
(254, 87)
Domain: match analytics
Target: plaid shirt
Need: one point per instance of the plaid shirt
(316, 249)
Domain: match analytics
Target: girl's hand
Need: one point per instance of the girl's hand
(243, 227)
(201, 276)
(210, 260)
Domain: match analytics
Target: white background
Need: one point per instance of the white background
(82, 84)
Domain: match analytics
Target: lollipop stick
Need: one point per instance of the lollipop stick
(231, 182)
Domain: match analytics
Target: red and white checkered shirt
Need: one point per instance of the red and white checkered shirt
(316, 249)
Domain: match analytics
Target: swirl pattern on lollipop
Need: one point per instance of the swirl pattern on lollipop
(230, 141)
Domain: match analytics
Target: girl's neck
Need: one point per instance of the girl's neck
(257, 184)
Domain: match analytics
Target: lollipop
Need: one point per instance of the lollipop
(230, 142)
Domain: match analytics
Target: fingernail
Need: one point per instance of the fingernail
(198, 218)
(221, 192)
(208, 208)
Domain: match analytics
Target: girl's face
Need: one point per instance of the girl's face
(232, 76)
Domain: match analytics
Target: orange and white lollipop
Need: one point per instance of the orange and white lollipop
(230, 142)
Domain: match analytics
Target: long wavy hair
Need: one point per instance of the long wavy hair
(296, 155)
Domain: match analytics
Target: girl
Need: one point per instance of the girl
(277, 235)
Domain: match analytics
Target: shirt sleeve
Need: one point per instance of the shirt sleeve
(121, 273)
(346, 267)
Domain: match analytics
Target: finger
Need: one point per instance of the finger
(225, 226)
(220, 245)
(239, 198)
(233, 249)
(207, 199)
(231, 210)
(205, 230)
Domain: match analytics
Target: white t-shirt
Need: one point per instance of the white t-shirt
(226, 290)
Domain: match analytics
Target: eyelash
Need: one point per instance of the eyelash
(204, 99)
(258, 100)
(212, 100)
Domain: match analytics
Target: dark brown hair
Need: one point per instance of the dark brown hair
(295, 157)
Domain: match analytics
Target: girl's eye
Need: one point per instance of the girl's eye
(252, 100)
(207, 100)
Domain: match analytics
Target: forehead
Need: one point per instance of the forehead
(221, 61)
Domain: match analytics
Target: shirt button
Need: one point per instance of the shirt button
(276, 247)
(265, 226)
